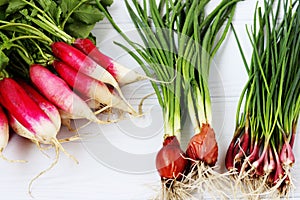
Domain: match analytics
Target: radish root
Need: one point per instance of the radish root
(57, 145)
(9, 160)
(44, 171)
(69, 139)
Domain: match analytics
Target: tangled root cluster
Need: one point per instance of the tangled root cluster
(201, 182)
(248, 185)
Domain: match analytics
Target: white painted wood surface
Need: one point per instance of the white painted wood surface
(117, 161)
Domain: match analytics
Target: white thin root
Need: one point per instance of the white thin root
(44, 171)
(201, 182)
(252, 186)
(69, 139)
(173, 189)
(57, 145)
(9, 160)
(207, 182)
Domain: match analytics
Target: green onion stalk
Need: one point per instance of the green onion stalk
(261, 151)
(158, 56)
(204, 34)
(179, 43)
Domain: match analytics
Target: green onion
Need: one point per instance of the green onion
(158, 55)
(179, 41)
(268, 110)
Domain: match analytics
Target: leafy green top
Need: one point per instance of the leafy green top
(76, 17)
(27, 27)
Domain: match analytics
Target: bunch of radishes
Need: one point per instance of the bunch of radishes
(48, 77)
(36, 108)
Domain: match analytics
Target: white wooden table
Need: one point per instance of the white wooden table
(109, 154)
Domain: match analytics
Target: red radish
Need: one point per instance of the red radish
(44, 104)
(4, 135)
(89, 87)
(122, 74)
(58, 92)
(78, 60)
(203, 146)
(24, 132)
(4, 131)
(19, 129)
(28, 119)
(170, 162)
(81, 62)
(18, 103)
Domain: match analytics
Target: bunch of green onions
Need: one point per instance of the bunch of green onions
(179, 42)
(268, 111)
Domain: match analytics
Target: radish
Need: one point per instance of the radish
(4, 135)
(78, 60)
(58, 92)
(4, 132)
(81, 62)
(122, 74)
(18, 103)
(90, 87)
(19, 129)
(24, 132)
(43, 103)
(28, 120)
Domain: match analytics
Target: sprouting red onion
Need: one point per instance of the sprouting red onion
(170, 161)
(203, 146)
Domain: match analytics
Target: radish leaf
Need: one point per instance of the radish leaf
(14, 6)
(68, 6)
(88, 14)
(3, 2)
(3, 60)
(78, 29)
